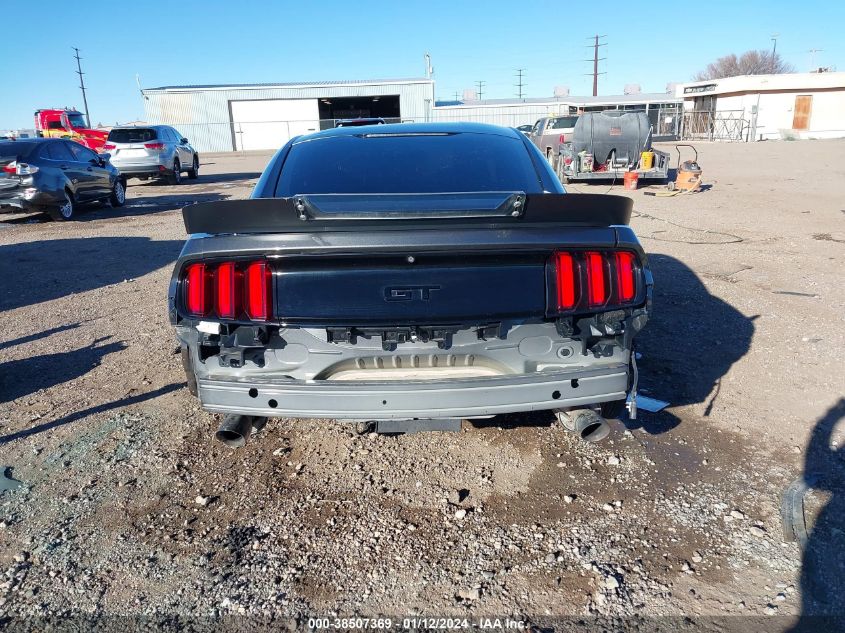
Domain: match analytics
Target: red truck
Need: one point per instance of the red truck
(67, 123)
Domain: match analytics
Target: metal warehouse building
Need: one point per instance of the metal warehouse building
(220, 118)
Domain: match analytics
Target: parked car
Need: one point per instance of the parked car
(526, 129)
(55, 176)
(549, 133)
(154, 151)
(437, 271)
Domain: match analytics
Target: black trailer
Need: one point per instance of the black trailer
(606, 145)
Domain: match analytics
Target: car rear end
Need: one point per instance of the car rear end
(140, 152)
(20, 188)
(403, 305)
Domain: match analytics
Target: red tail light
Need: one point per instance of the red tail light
(154, 145)
(258, 291)
(625, 279)
(11, 168)
(198, 290)
(562, 139)
(591, 281)
(565, 269)
(596, 287)
(229, 290)
(109, 146)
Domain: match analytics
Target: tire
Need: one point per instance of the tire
(176, 177)
(194, 172)
(118, 194)
(670, 185)
(67, 211)
(190, 376)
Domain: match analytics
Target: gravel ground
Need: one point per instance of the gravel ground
(126, 506)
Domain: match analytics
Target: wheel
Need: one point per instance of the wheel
(176, 177)
(194, 172)
(66, 210)
(118, 194)
(190, 376)
(671, 185)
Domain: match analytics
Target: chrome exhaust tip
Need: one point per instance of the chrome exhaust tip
(586, 423)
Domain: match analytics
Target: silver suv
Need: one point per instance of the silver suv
(154, 151)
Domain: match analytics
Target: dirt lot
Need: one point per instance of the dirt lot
(127, 506)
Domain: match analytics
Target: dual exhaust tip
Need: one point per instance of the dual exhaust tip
(586, 423)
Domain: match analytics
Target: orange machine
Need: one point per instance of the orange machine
(688, 177)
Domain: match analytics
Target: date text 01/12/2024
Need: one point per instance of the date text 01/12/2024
(416, 623)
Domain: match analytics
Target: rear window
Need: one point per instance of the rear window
(15, 148)
(410, 163)
(562, 122)
(132, 135)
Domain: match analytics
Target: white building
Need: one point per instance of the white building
(265, 116)
(756, 107)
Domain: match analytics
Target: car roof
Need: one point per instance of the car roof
(400, 129)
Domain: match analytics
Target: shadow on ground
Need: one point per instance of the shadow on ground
(690, 343)
(100, 408)
(823, 560)
(28, 375)
(33, 272)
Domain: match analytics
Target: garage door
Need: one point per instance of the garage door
(270, 123)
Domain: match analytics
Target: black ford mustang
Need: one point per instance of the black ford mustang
(408, 272)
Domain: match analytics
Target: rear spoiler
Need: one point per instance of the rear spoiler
(344, 212)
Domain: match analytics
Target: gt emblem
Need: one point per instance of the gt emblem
(409, 293)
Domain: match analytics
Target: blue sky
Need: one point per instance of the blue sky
(215, 41)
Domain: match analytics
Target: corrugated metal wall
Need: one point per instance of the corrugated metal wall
(203, 115)
(507, 115)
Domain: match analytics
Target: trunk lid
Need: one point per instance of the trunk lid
(419, 289)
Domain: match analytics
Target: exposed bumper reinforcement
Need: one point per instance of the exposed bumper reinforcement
(419, 399)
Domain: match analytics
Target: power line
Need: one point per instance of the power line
(813, 52)
(596, 61)
(520, 84)
(82, 86)
(480, 85)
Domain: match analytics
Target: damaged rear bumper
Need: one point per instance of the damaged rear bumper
(463, 398)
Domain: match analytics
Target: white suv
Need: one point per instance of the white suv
(154, 151)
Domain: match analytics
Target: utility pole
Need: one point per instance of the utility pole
(520, 84)
(480, 85)
(775, 37)
(457, 98)
(82, 86)
(596, 59)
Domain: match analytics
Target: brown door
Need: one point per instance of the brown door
(801, 114)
